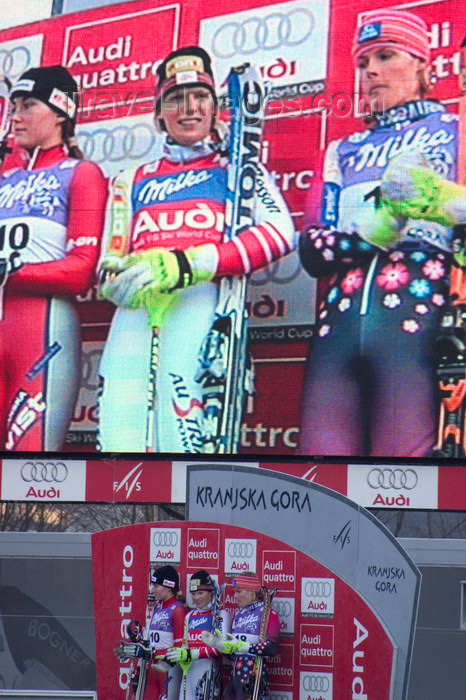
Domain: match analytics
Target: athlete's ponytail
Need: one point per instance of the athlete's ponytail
(69, 139)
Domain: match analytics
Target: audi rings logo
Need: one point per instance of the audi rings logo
(165, 538)
(392, 479)
(122, 142)
(316, 683)
(280, 272)
(14, 61)
(240, 549)
(269, 33)
(47, 472)
(321, 589)
(282, 608)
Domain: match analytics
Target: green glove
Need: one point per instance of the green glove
(227, 645)
(167, 270)
(179, 655)
(230, 646)
(382, 228)
(411, 189)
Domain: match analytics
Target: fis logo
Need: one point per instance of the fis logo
(130, 482)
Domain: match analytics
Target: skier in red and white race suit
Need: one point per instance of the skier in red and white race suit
(203, 663)
(166, 236)
(51, 219)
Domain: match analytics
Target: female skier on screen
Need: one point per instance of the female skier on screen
(166, 242)
(370, 386)
(51, 212)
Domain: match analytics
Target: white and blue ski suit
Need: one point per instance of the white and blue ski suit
(178, 202)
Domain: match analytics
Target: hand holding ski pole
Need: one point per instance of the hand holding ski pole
(132, 650)
(182, 656)
(179, 655)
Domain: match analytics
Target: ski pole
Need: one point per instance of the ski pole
(218, 592)
(184, 667)
(259, 662)
(157, 306)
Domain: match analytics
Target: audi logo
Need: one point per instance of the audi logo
(165, 538)
(322, 589)
(116, 144)
(282, 608)
(240, 549)
(268, 33)
(44, 471)
(277, 272)
(316, 683)
(13, 62)
(392, 479)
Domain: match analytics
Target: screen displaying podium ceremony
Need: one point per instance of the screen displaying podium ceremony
(234, 229)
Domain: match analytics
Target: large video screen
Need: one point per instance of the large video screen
(329, 218)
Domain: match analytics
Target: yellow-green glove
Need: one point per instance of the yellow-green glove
(227, 645)
(382, 227)
(411, 189)
(161, 271)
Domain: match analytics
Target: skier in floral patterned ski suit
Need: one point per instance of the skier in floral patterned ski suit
(370, 386)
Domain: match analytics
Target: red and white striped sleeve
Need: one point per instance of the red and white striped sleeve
(272, 236)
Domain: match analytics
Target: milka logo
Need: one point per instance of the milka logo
(197, 622)
(249, 622)
(163, 620)
(158, 191)
(35, 191)
(372, 155)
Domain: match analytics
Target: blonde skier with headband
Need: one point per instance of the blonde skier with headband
(250, 640)
(388, 207)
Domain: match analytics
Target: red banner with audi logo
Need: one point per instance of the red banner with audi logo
(324, 623)
(135, 481)
(302, 50)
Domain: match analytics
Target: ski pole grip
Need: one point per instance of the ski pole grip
(157, 306)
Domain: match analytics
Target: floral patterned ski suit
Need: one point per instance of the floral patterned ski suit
(370, 386)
